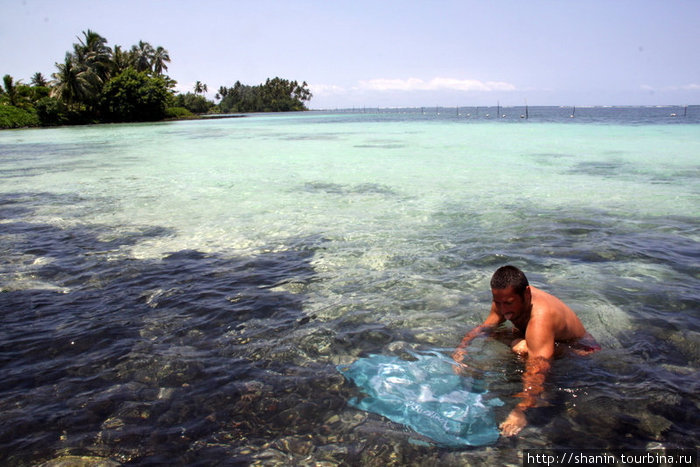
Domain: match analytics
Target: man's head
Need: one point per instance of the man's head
(510, 276)
(511, 293)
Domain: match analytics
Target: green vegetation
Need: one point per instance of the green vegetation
(133, 96)
(12, 117)
(194, 103)
(97, 83)
(178, 113)
(276, 95)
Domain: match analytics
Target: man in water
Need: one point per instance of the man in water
(541, 321)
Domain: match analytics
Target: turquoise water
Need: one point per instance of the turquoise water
(184, 290)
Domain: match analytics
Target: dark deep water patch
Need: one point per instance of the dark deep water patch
(127, 358)
(38, 159)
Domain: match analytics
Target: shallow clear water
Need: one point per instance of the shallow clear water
(182, 292)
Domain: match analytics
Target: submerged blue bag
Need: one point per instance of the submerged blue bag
(426, 396)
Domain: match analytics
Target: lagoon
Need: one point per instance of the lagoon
(182, 292)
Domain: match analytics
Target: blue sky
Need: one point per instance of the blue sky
(390, 53)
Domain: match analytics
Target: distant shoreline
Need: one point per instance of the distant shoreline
(224, 116)
(207, 117)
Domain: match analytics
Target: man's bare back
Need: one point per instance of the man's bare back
(549, 312)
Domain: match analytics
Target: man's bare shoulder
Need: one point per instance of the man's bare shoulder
(544, 301)
(549, 310)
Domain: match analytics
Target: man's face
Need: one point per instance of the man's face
(509, 304)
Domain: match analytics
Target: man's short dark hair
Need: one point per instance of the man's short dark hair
(507, 276)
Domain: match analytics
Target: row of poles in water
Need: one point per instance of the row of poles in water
(525, 115)
(498, 112)
(488, 115)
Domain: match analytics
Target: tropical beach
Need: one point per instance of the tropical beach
(97, 83)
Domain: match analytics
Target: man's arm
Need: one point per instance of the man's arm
(540, 342)
(492, 320)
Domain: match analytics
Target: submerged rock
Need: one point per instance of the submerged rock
(80, 461)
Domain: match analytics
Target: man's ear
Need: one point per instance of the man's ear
(528, 294)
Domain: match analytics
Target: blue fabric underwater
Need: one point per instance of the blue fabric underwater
(426, 396)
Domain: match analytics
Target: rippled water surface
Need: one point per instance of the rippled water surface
(182, 292)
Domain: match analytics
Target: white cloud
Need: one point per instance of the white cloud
(326, 89)
(435, 84)
(691, 87)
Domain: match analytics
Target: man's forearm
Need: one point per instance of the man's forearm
(536, 370)
(460, 352)
(477, 331)
(533, 385)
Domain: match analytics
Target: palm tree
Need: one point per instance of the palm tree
(38, 80)
(142, 56)
(72, 83)
(120, 60)
(160, 57)
(169, 82)
(11, 88)
(200, 88)
(66, 83)
(81, 77)
(223, 92)
(92, 52)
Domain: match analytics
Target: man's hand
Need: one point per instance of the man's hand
(515, 422)
(458, 356)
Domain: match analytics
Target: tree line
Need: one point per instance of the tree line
(97, 83)
(276, 95)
